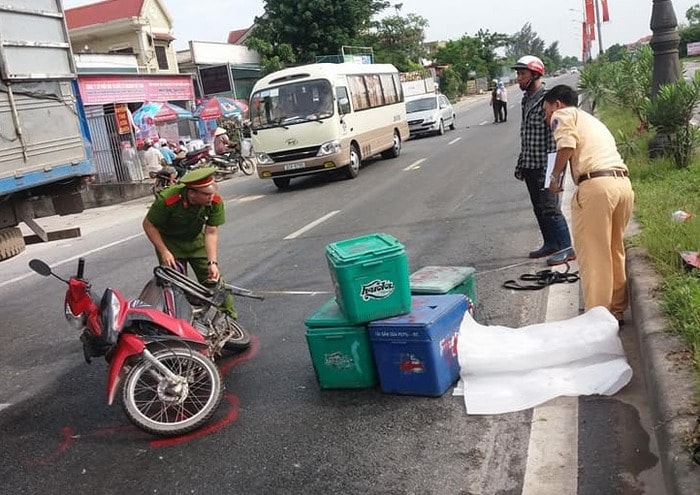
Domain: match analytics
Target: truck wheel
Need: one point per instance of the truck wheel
(281, 182)
(11, 242)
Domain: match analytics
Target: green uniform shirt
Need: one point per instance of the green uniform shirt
(182, 225)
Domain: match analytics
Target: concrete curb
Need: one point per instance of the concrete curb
(669, 377)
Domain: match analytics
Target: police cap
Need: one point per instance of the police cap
(199, 178)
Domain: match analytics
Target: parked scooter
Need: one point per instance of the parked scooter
(193, 159)
(162, 179)
(171, 386)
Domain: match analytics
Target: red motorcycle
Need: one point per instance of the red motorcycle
(171, 386)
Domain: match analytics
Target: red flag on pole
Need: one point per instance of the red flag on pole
(584, 37)
(606, 12)
(590, 12)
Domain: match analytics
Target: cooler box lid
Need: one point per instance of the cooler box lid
(364, 248)
(439, 279)
(328, 315)
(423, 322)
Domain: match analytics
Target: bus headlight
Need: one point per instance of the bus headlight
(264, 159)
(329, 148)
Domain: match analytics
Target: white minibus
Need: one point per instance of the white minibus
(325, 117)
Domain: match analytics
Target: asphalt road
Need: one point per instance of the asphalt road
(451, 200)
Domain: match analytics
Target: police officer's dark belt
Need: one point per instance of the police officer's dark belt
(602, 173)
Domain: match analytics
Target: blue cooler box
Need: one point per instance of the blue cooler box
(340, 352)
(370, 276)
(445, 280)
(416, 354)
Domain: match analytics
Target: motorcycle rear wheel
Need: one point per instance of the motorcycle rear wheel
(162, 408)
(241, 338)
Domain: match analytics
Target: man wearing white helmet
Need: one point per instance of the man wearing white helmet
(536, 142)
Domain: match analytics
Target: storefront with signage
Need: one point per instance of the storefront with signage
(110, 102)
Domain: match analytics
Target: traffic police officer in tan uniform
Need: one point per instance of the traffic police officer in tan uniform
(602, 205)
(183, 225)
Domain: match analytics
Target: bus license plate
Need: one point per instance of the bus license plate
(295, 166)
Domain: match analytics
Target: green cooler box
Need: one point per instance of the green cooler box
(445, 280)
(370, 276)
(340, 352)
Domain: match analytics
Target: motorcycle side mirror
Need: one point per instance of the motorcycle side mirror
(40, 267)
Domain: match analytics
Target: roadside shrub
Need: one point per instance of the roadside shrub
(670, 113)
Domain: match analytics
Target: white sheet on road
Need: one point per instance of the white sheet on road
(506, 369)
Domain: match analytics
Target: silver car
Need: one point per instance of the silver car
(429, 113)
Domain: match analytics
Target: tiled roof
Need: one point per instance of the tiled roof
(102, 12)
(234, 36)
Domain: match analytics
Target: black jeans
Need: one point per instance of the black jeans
(547, 209)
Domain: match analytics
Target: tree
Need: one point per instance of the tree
(525, 42)
(296, 31)
(693, 14)
(398, 40)
(473, 54)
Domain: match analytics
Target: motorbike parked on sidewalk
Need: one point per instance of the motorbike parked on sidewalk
(174, 293)
(170, 384)
(193, 159)
(161, 179)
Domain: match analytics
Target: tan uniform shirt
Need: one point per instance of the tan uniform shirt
(594, 146)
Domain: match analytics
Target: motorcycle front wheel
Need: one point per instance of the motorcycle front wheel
(164, 407)
(247, 166)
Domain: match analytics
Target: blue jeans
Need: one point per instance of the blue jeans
(547, 209)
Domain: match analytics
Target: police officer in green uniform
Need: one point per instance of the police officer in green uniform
(182, 224)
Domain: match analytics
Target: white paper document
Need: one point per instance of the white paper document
(551, 158)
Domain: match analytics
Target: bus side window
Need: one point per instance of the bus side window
(341, 94)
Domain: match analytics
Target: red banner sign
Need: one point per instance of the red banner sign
(121, 112)
(606, 12)
(590, 12)
(103, 90)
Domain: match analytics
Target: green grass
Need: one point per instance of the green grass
(660, 189)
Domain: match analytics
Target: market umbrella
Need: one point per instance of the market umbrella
(157, 113)
(218, 107)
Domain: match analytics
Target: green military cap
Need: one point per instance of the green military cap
(198, 178)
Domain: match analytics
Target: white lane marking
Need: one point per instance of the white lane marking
(73, 258)
(4, 406)
(311, 225)
(245, 198)
(415, 165)
(485, 122)
(454, 141)
(552, 456)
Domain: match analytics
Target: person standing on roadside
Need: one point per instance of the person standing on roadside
(536, 142)
(493, 102)
(502, 98)
(602, 205)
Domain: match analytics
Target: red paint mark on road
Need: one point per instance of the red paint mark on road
(66, 441)
(231, 416)
(243, 357)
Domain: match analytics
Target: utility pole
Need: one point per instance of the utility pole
(598, 23)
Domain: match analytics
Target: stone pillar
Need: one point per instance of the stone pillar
(667, 66)
(664, 43)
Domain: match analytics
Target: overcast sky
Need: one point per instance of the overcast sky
(552, 20)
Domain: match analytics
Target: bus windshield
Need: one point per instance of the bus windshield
(291, 104)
